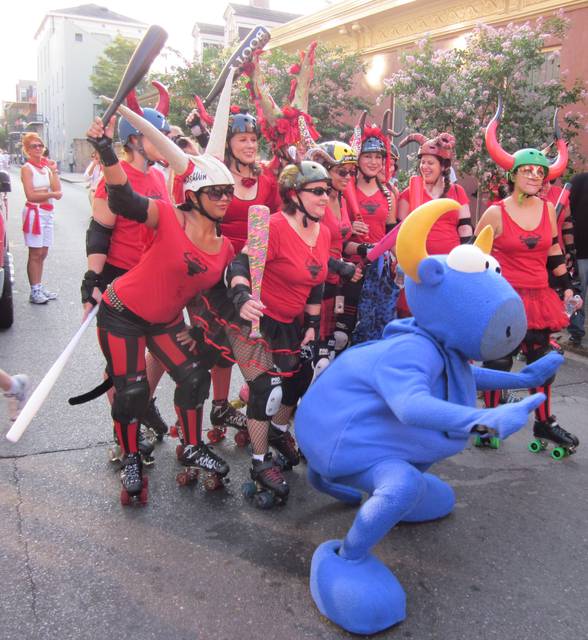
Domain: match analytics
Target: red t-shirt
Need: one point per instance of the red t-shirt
(340, 230)
(129, 238)
(172, 271)
(374, 210)
(443, 236)
(234, 224)
(292, 269)
(522, 254)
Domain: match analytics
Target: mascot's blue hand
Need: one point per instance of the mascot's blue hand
(538, 372)
(508, 418)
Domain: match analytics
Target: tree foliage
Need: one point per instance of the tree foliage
(111, 65)
(456, 90)
(331, 100)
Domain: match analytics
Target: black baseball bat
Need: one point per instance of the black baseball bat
(256, 39)
(144, 55)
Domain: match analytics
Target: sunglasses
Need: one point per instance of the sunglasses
(318, 191)
(36, 146)
(343, 173)
(532, 172)
(216, 193)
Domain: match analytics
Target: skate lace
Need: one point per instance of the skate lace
(132, 472)
(558, 430)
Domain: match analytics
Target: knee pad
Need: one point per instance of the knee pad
(501, 364)
(192, 390)
(131, 401)
(265, 396)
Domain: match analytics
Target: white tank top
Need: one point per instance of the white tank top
(41, 179)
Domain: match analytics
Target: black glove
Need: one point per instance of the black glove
(89, 283)
(239, 295)
(363, 248)
(345, 270)
(105, 150)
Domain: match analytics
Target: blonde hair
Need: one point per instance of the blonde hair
(28, 139)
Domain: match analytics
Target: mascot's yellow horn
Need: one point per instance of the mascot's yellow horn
(485, 239)
(411, 244)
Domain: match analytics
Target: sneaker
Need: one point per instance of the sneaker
(50, 295)
(38, 297)
(17, 400)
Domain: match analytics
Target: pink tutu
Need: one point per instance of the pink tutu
(544, 309)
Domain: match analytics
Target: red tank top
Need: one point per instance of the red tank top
(292, 269)
(374, 211)
(234, 224)
(443, 236)
(129, 238)
(522, 254)
(173, 270)
(340, 232)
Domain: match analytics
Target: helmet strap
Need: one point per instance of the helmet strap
(305, 213)
(367, 178)
(199, 207)
(140, 149)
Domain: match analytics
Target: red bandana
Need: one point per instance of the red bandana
(40, 165)
(248, 182)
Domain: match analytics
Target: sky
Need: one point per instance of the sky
(22, 19)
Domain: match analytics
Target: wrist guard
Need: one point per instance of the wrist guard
(123, 201)
(239, 295)
(105, 150)
(196, 333)
(239, 266)
(345, 270)
(312, 321)
(90, 281)
(363, 248)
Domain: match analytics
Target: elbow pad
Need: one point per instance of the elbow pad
(98, 238)
(554, 261)
(316, 295)
(238, 267)
(123, 201)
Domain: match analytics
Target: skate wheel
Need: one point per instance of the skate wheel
(148, 461)
(212, 483)
(535, 446)
(242, 439)
(244, 394)
(478, 442)
(248, 490)
(143, 495)
(187, 477)
(215, 435)
(237, 404)
(263, 500)
(558, 453)
(125, 498)
(173, 431)
(494, 443)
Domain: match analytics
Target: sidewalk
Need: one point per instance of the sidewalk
(73, 178)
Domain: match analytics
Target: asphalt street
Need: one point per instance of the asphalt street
(509, 563)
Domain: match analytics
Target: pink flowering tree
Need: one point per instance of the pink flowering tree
(456, 90)
(332, 96)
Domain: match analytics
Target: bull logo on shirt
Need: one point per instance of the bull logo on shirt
(531, 240)
(370, 207)
(314, 267)
(194, 263)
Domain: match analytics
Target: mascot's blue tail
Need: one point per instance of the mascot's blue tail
(338, 491)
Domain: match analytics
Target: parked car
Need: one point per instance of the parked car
(6, 263)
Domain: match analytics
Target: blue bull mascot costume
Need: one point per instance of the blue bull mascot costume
(400, 404)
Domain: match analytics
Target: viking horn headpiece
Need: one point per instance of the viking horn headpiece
(508, 162)
(162, 103)
(411, 244)
(387, 124)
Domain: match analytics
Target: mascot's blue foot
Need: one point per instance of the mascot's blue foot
(362, 596)
(338, 491)
(437, 501)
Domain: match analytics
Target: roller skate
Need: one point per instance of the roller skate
(146, 447)
(134, 486)
(223, 415)
(485, 437)
(201, 457)
(268, 486)
(154, 422)
(550, 431)
(283, 442)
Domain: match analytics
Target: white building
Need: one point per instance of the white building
(70, 42)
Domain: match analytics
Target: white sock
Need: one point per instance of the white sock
(35, 287)
(258, 456)
(281, 427)
(15, 386)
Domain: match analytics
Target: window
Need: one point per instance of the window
(79, 37)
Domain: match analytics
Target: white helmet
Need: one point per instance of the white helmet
(205, 171)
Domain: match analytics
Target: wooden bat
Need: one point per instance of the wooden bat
(257, 241)
(39, 395)
(144, 55)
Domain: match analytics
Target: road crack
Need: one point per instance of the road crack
(44, 453)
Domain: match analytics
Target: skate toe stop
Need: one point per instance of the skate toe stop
(362, 596)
